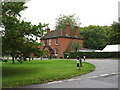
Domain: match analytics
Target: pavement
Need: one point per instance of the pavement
(105, 76)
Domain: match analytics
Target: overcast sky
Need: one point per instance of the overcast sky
(90, 12)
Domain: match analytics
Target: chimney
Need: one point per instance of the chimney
(76, 31)
(68, 29)
(48, 30)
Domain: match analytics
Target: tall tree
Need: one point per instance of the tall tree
(95, 37)
(114, 37)
(63, 19)
(10, 12)
(15, 31)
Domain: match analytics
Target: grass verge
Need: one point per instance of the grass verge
(40, 71)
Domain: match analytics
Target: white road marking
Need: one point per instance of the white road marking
(113, 73)
(70, 79)
(93, 77)
(55, 82)
(65, 80)
(102, 75)
(77, 79)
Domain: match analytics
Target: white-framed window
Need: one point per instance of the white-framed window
(56, 51)
(49, 41)
(56, 41)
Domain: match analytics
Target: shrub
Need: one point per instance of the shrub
(93, 54)
(4, 60)
(20, 61)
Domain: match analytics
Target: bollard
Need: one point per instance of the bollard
(84, 57)
(78, 66)
(67, 57)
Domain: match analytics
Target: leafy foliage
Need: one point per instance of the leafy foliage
(95, 37)
(115, 33)
(18, 35)
(63, 19)
(74, 46)
(93, 55)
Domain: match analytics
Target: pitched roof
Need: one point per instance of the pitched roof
(58, 33)
(55, 33)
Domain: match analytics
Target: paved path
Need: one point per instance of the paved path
(105, 76)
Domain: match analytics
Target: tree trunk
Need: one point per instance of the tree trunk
(29, 59)
(13, 59)
(25, 59)
(41, 58)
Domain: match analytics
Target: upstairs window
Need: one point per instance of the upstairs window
(49, 41)
(56, 51)
(56, 41)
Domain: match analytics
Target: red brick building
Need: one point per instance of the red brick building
(57, 41)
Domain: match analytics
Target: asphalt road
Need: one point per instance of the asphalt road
(105, 76)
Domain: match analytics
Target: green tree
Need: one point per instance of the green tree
(95, 37)
(15, 31)
(29, 49)
(63, 19)
(10, 12)
(73, 46)
(114, 35)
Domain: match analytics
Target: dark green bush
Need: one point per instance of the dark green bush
(20, 61)
(4, 60)
(93, 55)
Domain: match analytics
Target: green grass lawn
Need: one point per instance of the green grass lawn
(40, 71)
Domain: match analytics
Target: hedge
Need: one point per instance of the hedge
(93, 55)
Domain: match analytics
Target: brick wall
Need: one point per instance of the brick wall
(62, 44)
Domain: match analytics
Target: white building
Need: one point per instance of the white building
(112, 48)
